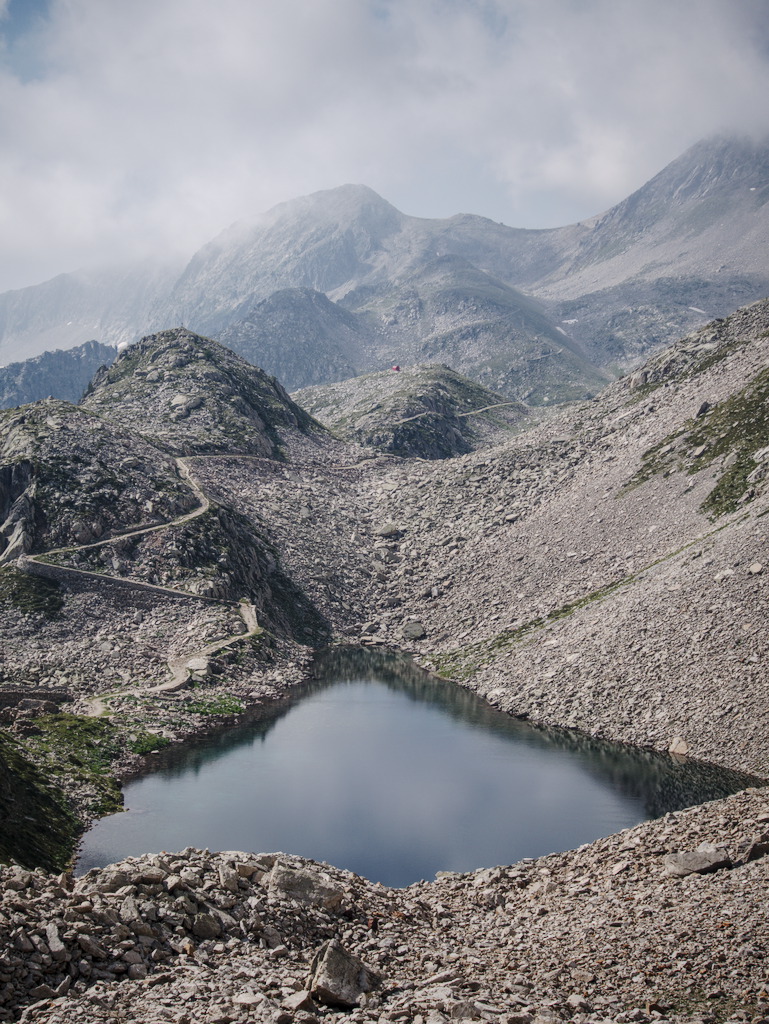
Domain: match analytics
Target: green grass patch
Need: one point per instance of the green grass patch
(223, 704)
(33, 595)
(147, 743)
(736, 428)
(82, 750)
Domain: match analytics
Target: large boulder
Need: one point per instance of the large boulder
(337, 978)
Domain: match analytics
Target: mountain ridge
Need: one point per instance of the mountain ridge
(687, 246)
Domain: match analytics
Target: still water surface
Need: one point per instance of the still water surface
(394, 775)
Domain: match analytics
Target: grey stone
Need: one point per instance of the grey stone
(228, 878)
(704, 859)
(91, 948)
(200, 665)
(388, 530)
(337, 978)
(247, 998)
(578, 1002)
(56, 947)
(299, 1001)
(204, 926)
(304, 885)
(758, 849)
(413, 631)
(678, 745)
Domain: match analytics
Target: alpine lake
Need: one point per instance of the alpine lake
(384, 770)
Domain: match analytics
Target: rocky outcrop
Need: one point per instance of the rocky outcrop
(68, 477)
(429, 412)
(193, 396)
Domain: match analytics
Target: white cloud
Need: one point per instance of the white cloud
(131, 128)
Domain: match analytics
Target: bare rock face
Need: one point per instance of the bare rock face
(67, 476)
(338, 978)
(706, 858)
(305, 885)
(64, 375)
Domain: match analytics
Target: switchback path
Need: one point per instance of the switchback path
(178, 667)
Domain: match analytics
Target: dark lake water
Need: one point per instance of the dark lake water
(383, 770)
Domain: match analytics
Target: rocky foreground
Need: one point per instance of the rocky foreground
(665, 921)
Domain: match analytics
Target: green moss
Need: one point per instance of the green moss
(737, 427)
(147, 743)
(37, 828)
(224, 704)
(81, 750)
(33, 595)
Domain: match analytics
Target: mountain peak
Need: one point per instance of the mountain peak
(194, 396)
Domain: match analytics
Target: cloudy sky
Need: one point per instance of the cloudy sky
(130, 127)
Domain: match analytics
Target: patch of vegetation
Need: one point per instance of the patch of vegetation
(464, 662)
(736, 428)
(147, 743)
(739, 427)
(660, 458)
(80, 750)
(37, 828)
(33, 595)
(697, 1004)
(223, 704)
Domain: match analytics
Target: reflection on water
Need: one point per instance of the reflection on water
(382, 769)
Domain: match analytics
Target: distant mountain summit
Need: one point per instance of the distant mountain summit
(340, 282)
(62, 374)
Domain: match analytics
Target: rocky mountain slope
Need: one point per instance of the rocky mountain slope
(61, 374)
(69, 477)
(113, 305)
(539, 315)
(425, 411)
(604, 570)
(194, 396)
(299, 336)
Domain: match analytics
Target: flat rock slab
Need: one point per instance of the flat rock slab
(304, 885)
(705, 858)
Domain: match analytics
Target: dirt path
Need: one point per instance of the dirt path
(179, 667)
(472, 412)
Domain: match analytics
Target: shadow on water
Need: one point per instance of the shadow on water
(663, 782)
(379, 767)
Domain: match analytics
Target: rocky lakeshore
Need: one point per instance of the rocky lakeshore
(665, 921)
